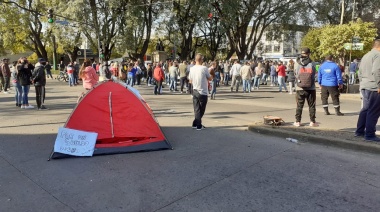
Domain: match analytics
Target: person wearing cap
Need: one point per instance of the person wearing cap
(6, 75)
(369, 76)
(39, 81)
(305, 93)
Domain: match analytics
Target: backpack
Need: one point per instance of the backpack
(305, 77)
(122, 75)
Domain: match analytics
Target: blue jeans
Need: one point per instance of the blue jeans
(173, 83)
(131, 80)
(256, 82)
(18, 94)
(246, 85)
(281, 83)
(217, 76)
(213, 87)
(25, 92)
(71, 79)
(369, 114)
(273, 80)
(352, 78)
(226, 78)
(264, 79)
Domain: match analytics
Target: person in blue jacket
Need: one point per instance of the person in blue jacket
(330, 80)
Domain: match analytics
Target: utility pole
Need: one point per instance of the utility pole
(353, 10)
(342, 13)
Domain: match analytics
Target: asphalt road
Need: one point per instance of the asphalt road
(222, 168)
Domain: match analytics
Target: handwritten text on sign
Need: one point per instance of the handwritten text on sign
(75, 142)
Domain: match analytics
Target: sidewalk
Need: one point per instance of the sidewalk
(333, 130)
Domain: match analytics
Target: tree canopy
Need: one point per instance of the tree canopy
(330, 39)
(185, 26)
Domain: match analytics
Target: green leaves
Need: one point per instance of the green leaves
(330, 39)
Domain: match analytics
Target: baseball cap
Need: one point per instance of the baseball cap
(305, 50)
(41, 60)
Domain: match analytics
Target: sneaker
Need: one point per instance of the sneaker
(29, 107)
(44, 108)
(359, 135)
(297, 124)
(201, 128)
(375, 138)
(22, 106)
(313, 124)
(6, 92)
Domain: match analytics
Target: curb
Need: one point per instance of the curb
(288, 132)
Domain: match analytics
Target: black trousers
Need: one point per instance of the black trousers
(6, 83)
(40, 95)
(199, 103)
(157, 87)
(183, 82)
(330, 90)
(310, 97)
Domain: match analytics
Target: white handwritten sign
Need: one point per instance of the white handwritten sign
(75, 142)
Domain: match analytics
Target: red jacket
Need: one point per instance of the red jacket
(281, 71)
(158, 74)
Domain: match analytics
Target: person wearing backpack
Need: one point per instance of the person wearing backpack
(39, 81)
(330, 80)
(305, 89)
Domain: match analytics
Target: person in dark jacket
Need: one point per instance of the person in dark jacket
(6, 72)
(48, 70)
(39, 81)
(24, 75)
(291, 76)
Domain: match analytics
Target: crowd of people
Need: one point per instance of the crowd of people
(201, 79)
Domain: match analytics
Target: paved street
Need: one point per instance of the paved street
(222, 168)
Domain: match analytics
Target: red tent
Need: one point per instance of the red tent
(123, 120)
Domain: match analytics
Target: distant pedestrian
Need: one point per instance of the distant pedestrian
(48, 70)
(291, 76)
(183, 75)
(236, 76)
(305, 90)
(259, 69)
(149, 80)
(70, 73)
(159, 77)
(199, 77)
(330, 80)
(88, 75)
(212, 71)
(16, 85)
(281, 72)
(226, 68)
(246, 75)
(353, 69)
(173, 74)
(76, 68)
(369, 75)
(24, 75)
(273, 74)
(39, 81)
(6, 73)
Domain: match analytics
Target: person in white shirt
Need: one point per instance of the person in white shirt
(236, 76)
(199, 77)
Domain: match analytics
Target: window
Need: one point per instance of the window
(268, 48)
(277, 48)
